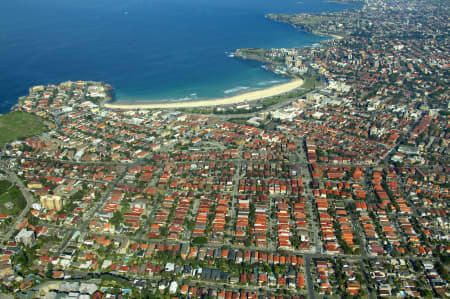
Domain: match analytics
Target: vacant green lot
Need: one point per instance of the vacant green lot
(11, 195)
(18, 125)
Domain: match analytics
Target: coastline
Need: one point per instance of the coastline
(241, 98)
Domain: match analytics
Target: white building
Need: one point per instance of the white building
(173, 287)
(26, 237)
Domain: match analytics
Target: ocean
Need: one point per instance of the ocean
(149, 50)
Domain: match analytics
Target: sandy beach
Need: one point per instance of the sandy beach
(335, 36)
(245, 97)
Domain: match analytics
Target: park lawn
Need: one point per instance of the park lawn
(4, 186)
(311, 82)
(14, 196)
(287, 96)
(18, 125)
(239, 121)
(253, 53)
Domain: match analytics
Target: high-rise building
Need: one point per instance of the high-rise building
(52, 202)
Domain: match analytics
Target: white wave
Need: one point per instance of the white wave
(191, 97)
(184, 99)
(265, 83)
(236, 89)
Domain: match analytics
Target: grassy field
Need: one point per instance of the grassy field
(12, 195)
(287, 96)
(258, 54)
(18, 125)
(4, 186)
(311, 82)
(239, 121)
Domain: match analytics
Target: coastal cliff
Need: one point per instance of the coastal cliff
(315, 24)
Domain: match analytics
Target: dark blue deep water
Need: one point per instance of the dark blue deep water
(147, 49)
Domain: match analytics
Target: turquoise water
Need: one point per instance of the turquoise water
(147, 49)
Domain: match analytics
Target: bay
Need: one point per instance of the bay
(149, 50)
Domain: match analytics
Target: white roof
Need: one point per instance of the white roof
(173, 287)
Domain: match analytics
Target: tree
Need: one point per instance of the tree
(200, 241)
(442, 270)
(163, 230)
(33, 220)
(49, 272)
(117, 218)
(24, 258)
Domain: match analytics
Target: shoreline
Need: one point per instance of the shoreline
(237, 99)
